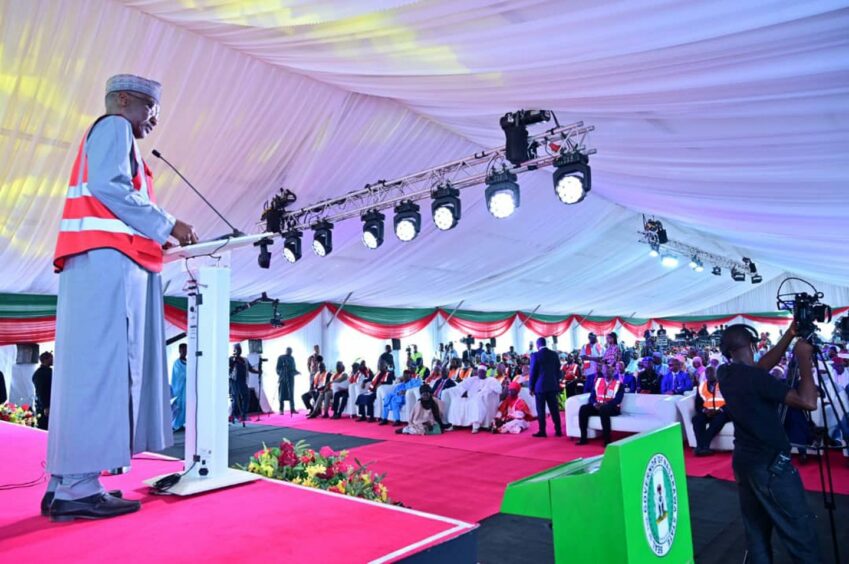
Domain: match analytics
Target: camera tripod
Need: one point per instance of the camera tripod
(828, 392)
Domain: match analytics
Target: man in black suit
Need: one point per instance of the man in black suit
(545, 385)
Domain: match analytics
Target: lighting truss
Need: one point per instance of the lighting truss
(687, 252)
(461, 174)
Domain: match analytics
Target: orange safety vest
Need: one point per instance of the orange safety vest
(606, 391)
(465, 373)
(711, 400)
(591, 350)
(87, 224)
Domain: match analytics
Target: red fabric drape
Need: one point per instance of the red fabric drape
(29, 330)
(544, 328)
(378, 331)
(635, 329)
(783, 321)
(243, 331)
(598, 327)
(481, 329)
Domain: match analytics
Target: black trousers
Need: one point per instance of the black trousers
(365, 405)
(286, 391)
(239, 393)
(308, 398)
(549, 399)
(605, 412)
(706, 427)
(775, 501)
(340, 400)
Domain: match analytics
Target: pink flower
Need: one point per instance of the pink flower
(327, 452)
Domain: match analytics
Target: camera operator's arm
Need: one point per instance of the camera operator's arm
(775, 354)
(806, 396)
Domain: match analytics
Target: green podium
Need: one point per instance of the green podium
(628, 505)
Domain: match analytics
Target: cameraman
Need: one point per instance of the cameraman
(771, 493)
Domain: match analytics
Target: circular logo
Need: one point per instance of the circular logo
(660, 504)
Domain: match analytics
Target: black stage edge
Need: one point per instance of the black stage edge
(244, 441)
(459, 550)
(718, 535)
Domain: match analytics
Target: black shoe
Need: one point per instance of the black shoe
(399, 431)
(360, 419)
(337, 416)
(371, 419)
(541, 435)
(558, 433)
(397, 424)
(97, 506)
(48, 499)
(325, 416)
(582, 442)
(383, 422)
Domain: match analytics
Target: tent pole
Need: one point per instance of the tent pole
(522, 321)
(339, 309)
(453, 311)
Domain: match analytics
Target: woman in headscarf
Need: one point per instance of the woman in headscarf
(426, 415)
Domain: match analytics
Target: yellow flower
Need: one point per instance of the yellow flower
(297, 481)
(310, 483)
(366, 478)
(315, 469)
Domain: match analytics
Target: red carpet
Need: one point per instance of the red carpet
(268, 521)
(463, 476)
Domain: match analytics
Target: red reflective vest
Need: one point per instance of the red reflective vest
(87, 224)
(711, 400)
(605, 391)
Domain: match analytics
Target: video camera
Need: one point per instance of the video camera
(468, 340)
(274, 211)
(807, 310)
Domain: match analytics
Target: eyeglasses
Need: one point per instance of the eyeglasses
(152, 105)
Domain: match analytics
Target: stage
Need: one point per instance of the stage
(266, 520)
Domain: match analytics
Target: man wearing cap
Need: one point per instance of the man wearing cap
(109, 255)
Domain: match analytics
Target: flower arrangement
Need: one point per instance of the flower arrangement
(18, 414)
(326, 470)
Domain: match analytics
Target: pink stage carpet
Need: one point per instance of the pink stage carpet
(265, 521)
(466, 474)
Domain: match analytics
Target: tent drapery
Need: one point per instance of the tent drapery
(31, 318)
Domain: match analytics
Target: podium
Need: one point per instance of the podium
(628, 505)
(205, 465)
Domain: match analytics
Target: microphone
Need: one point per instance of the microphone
(236, 232)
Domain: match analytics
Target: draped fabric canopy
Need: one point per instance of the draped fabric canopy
(729, 121)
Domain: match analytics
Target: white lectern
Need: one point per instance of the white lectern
(207, 376)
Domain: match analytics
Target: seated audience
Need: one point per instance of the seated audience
(476, 403)
(697, 370)
(513, 413)
(629, 381)
(465, 370)
(339, 385)
(605, 401)
(648, 381)
(365, 401)
(395, 400)
(322, 393)
(710, 415)
(571, 375)
(425, 416)
(676, 381)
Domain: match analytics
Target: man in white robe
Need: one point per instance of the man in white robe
(107, 406)
(475, 402)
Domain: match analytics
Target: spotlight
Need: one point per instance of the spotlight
(748, 262)
(717, 271)
(655, 250)
(322, 238)
(572, 178)
(446, 207)
(502, 193)
(696, 264)
(757, 278)
(737, 275)
(693, 264)
(264, 258)
(373, 229)
(699, 268)
(408, 220)
(515, 129)
(669, 261)
(656, 227)
(292, 245)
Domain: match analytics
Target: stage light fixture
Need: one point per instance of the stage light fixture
(264, 258)
(408, 220)
(717, 271)
(373, 225)
(752, 268)
(693, 264)
(322, 238)
(757, 278)
(696, 264)
(655, 250)
(446, 207)
(572, 177)
(737, 275)
(669, 261)
(514, 124)
(292, 245)
(502, 193)
(656, 227)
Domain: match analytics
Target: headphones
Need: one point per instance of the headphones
(724, 345)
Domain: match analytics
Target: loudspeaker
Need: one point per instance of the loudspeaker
(255, 346)
(396, 344)
(492, 342)
(554, 339)
(27, 353)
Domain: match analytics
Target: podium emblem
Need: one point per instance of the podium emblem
(660, 504)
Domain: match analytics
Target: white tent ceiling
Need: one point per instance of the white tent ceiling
(727, 120)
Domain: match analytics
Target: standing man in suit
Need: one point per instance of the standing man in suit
(545, 385)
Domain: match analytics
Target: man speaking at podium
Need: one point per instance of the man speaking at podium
(771, 493)
(109, 255)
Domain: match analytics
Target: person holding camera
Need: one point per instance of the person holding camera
(770, 490)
